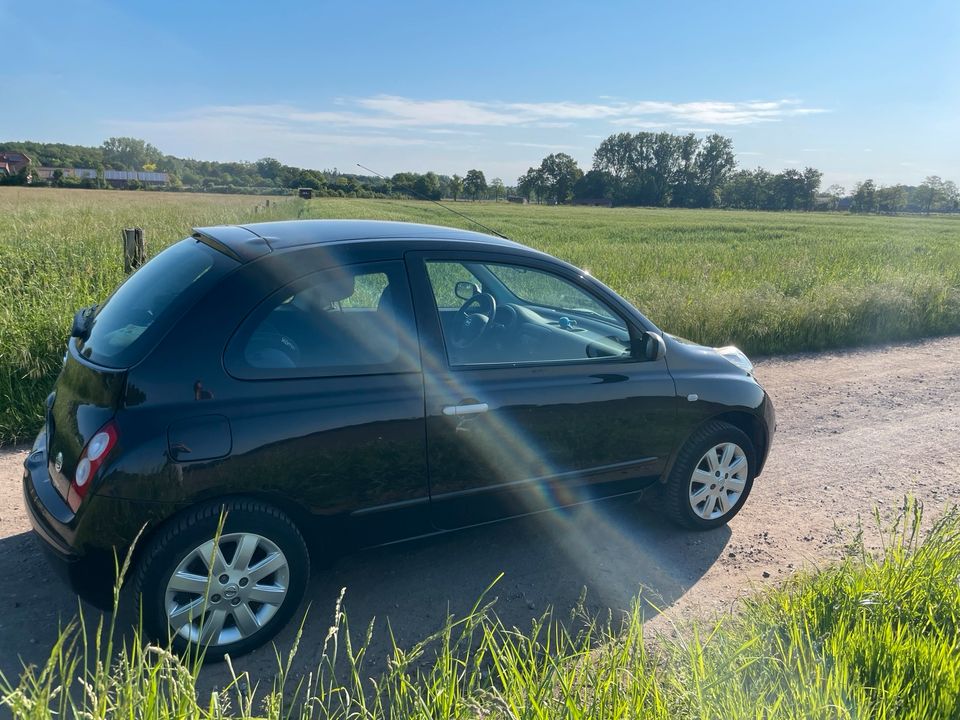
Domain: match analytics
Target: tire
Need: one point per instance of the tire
(702, 492)
(260, 576)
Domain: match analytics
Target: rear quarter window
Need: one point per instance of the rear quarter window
(132, 320)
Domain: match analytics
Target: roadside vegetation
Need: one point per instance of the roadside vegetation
(769, 283)
(872, 637)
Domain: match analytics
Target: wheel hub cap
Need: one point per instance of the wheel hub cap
(718, 481)
(224, 592)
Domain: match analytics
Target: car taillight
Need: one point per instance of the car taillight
(91, 459)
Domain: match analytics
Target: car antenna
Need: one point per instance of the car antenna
(448, 209)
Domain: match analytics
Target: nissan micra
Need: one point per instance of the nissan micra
(254, 395)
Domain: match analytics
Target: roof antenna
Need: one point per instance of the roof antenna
(448, 209)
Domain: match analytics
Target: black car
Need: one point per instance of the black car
(344, 383)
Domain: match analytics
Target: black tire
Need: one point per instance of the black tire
(675, 496)
(175, 543)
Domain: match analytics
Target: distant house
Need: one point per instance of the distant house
(519, 199)
(116, 178)
(13, 162)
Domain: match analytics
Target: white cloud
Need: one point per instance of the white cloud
(395, 112)
(638, 123)
(543, 146)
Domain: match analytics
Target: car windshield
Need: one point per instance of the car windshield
(145, 305)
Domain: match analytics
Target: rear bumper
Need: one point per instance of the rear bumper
(89, 575)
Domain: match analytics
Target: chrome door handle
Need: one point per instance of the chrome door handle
(458, 410)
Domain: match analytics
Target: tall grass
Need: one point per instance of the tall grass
(768, 282)
(872, 637)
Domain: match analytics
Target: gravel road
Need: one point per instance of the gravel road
(857, 429)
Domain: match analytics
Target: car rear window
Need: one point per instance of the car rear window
(138, 312)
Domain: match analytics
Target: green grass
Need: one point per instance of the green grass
(872, 637)
(768, 282)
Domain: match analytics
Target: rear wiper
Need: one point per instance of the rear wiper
(82, 320)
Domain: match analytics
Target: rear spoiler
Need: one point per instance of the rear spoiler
(236, 242)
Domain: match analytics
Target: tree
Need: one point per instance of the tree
(864, 197)
(125, 153)
(475, 184)
(891, 199)
(456, 186)
(497, 186)
(929, 194)
(558, 174)
(268, 168)
(951, 197)
(595, 185)
(790, 189)
(529, 184)
(428, 186)
(811, 183)
(714, 164)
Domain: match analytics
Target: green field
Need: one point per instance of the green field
(767, 282)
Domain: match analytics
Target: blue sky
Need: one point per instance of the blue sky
(855, 89)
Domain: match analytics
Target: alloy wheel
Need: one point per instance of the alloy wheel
(718, 481)
(225, 591)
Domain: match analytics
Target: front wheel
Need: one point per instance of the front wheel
(222, 594)
(711, 478)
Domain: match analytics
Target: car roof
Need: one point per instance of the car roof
(247, 242)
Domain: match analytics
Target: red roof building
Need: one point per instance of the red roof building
(13, 162)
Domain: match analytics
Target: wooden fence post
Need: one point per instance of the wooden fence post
(134, 249)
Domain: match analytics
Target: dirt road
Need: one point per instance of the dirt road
(856, 429)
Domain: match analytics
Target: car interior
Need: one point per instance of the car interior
(494, 323)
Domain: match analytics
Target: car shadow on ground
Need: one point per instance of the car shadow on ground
(612, 551)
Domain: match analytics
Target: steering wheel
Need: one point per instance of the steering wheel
(473, 319)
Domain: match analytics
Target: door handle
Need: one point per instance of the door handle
(458, 410)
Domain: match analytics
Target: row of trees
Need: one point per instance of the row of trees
(655, 169)
(762, 190)
(932, 195)
(659, 169)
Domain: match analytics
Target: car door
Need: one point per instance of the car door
(328, 370)
(549, 405)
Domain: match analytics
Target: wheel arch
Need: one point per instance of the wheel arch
(754, 429)
(748, 423)
(303, 520)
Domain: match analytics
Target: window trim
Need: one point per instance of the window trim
(236, 366)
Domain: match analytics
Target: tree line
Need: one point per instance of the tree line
(630, 169)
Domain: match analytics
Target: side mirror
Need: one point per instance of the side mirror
(466, 290)
(649, 347)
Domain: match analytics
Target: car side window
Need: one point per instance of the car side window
(350, 320)
(518, 314)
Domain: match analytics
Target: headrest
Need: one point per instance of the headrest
(333, 286)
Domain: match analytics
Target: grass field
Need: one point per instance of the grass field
(770, 283)
(874, 637)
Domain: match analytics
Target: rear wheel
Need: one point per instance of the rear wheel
(223, 594)
(711, 478)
